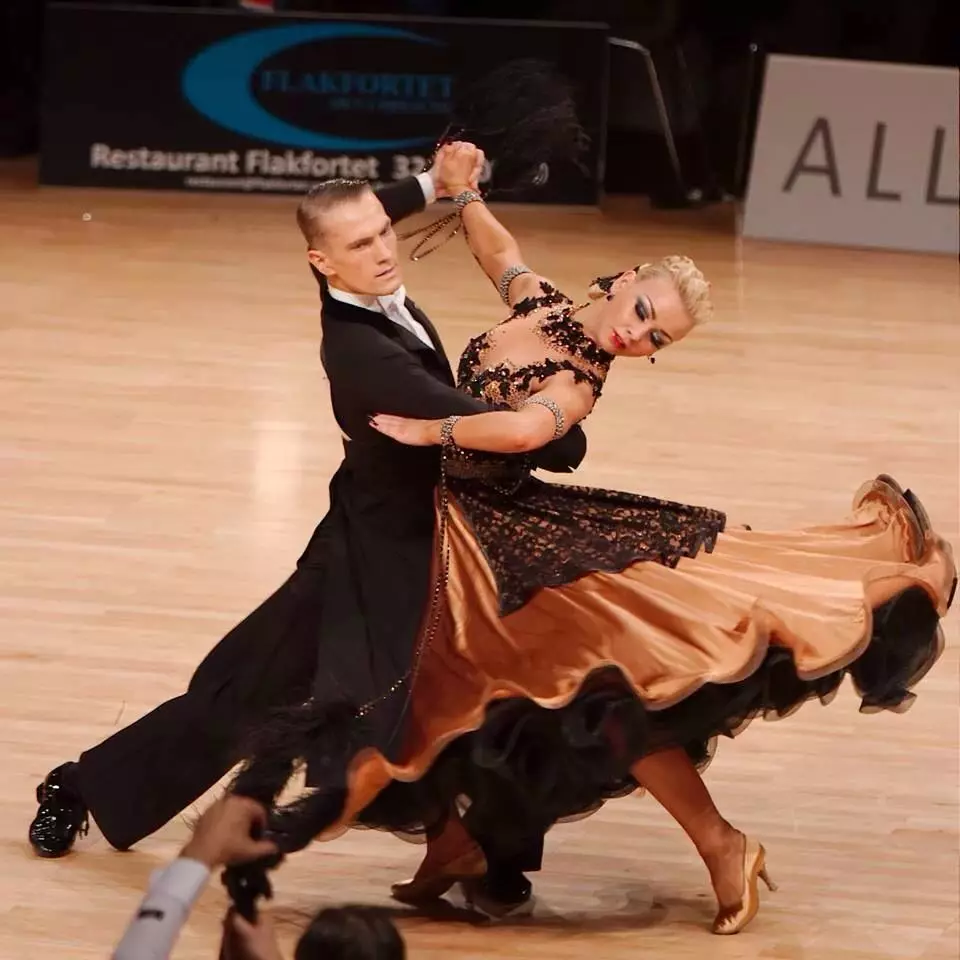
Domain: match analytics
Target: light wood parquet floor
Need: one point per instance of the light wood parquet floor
(166, 443)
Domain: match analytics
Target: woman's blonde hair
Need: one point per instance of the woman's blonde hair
(692, 286)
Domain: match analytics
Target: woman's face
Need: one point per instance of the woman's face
(643, 317)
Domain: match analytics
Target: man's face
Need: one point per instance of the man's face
(357, 251)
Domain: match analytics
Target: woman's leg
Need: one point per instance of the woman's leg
(672, 779)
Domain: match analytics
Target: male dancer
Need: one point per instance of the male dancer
(342, 627)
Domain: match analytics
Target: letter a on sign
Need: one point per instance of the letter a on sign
(819, 131)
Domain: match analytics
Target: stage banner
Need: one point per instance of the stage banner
(214, 100)
(856, 154)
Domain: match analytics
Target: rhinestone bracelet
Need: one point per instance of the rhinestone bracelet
(554, 408)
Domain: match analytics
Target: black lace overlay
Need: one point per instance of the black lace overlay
(562, 330)
(506, 386)
(568, 348)
(549, 534)
(535, 534)
(551, 297)
(554, 343)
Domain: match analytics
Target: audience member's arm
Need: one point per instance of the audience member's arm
(222, 836)
(243, 940)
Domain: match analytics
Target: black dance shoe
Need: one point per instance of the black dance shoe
(500, 894)
(62, 816)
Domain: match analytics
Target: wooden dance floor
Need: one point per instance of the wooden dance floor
(167, 440)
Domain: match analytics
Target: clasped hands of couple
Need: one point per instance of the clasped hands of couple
(457, 166)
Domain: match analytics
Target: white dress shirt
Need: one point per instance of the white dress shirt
(154, 929)
(393, 305)
(427, 186)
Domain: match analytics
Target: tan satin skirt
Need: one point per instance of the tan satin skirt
(669, 631)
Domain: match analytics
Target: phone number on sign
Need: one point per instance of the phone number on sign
(404, 166)
(306, 163)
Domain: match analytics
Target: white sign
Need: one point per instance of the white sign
(856, 154)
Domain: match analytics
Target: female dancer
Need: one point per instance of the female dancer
(580, 642)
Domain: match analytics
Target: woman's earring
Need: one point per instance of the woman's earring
(609, 296)
(652, 359)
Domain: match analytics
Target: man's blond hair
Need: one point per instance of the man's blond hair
(320, 200)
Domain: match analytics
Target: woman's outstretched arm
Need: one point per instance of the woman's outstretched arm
(490, 242)
(549, 413)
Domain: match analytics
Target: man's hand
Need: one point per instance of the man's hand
(222, 836)
(458, 166)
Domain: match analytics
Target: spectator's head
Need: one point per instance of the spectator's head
(351, 933)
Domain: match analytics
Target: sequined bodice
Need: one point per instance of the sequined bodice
(505, 365)
(541, 338)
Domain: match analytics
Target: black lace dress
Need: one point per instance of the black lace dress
(536, 534)
(573, 630)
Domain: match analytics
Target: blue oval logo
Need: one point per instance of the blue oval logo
(217, 83)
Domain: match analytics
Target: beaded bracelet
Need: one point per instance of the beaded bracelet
(446, 431)
(465, 197)
(554, 408)
(507, 277)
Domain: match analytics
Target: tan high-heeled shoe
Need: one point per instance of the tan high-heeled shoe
(432, 882)
(452, 856)
(730, 920)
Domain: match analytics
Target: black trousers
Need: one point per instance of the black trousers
(526, 858)
(145, 774)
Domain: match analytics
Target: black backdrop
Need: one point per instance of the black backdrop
(714, 37)
(167, 98)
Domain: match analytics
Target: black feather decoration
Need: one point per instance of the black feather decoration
(523, 115)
